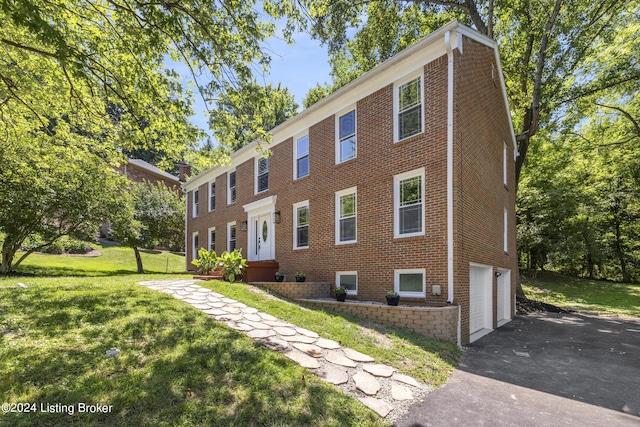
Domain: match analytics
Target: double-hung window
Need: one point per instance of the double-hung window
(194, 245)
(212, 196)
(212, 239)
(346, 137)
(196, 201)
(409, 203)
(262, 180)
(346, 213)
(232, 187)
(301, 225)
(410, 283)
(302, 157)
(231, 236)
(409, 108)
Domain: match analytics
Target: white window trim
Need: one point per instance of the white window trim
(256, 177)
(352, 190)
(229, 202)
(209, 237)
(295, 154)
(229, 225)
(396, 282)
(504, 164)
(337, 126)
(194, 249)
(350, 273)
(396, 104)
(505, 231)
(295, 224)
(212, 208)
(396, 202)
(195, 206)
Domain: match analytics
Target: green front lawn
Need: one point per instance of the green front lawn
(114, 260)
(599, 296)
(177, 366)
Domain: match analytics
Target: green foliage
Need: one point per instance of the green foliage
(54, 248)
(55, 188)
(300, 275)
(232, 264)
(341, 290)
(206, 262)
(391, 293)
(247, 113)
(153, 215)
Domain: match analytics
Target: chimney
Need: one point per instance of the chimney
(185, 172)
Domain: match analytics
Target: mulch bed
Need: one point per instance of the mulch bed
(527, 306)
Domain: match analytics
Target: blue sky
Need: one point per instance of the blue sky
(298, 68)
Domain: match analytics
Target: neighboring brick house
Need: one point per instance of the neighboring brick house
(138, 170)
(403, 179)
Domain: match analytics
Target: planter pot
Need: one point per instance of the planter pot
(279, 278)
(341, 297)
(300, 279)
(393, 300)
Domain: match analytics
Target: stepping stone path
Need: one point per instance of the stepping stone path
(380, 387)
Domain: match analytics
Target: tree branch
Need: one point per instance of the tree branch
(633, 121)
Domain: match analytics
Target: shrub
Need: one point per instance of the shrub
(233, 265)
(55, 248)
(77, 247)
(206, 262)
(32, 242)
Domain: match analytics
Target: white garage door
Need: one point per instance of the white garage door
(504, 297)
(480, 309)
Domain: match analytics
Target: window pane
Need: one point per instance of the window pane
(212, 240)
(409, 94)
(232, 232)
(410, 282)
(303, 215)
(212, 201)
(196, 196)
(303, 236)
(195, 243)
(347, 124)
(411, 219)
(348, 229)
(411, 191)
(263, 182)
(232, 179)
(263, 166)
(347, 205)
(348, 149)
(303, 146)
(303, 166)
(410, 122)
(233, 194)
(349, 281)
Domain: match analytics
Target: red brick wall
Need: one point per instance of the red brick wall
(140, 175)
(481, 128)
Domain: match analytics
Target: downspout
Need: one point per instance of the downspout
(449, 48)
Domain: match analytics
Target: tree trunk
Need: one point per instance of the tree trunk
(9, 249)
(138, 260)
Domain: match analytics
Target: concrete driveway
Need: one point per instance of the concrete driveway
(545, 369)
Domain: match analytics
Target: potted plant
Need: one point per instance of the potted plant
(300, 277)
(206, 262)
(341, 293)
(393, 298)
(279, 276)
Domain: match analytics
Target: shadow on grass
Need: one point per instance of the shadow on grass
(32, 271)
(176, 365)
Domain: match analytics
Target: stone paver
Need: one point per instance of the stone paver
(400, 392)
(310, 349)
(379, 370)
(356, 355)
(384, 387)
(328, 344)
(333, 374)
(339, 359)
(302, 359)
(378, 405)
(366, 383)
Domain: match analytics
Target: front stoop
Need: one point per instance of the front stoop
(261, 271)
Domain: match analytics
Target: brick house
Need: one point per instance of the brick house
(137, 170)
(403, 179)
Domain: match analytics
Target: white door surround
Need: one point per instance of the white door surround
(261, 230)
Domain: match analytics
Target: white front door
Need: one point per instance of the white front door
(263, 235)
